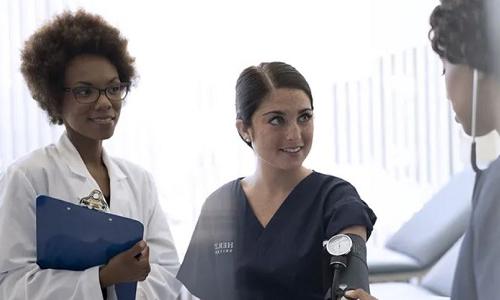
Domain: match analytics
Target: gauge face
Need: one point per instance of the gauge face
(339, 244)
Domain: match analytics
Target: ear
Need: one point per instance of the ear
(243, 130)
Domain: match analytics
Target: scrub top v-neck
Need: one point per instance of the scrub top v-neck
(232, 256)
(254, 228)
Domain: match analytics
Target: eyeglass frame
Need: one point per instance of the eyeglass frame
(100, 91)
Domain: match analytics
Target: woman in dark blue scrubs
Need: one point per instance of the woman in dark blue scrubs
(260, 237)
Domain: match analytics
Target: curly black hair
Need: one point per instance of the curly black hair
(47, 52)
(459, 33)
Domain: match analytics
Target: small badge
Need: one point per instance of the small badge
(95, 200)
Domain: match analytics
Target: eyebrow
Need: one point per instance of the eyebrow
(90, 84)
(277, 112)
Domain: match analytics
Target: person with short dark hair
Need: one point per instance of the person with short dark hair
(79, 70)
(460, 35)
(261, 236)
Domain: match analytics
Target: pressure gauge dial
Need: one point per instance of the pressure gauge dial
(339, 244)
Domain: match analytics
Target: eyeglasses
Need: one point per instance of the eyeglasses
(90, 94)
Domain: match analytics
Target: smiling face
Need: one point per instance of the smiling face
(281, 129)
(92, 121)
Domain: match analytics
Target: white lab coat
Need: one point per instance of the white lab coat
(58, 171)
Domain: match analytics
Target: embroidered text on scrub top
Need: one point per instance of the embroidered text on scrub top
(223, 247)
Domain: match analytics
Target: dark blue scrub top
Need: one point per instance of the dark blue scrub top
(232, 256)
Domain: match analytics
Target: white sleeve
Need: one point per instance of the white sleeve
(161, 283)
(186, 295)
(20, 276)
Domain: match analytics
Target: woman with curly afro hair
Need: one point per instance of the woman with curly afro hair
(79, 71)
(460, 34)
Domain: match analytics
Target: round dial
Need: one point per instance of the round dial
(339, 244)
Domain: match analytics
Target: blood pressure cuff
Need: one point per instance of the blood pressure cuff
(356, 274)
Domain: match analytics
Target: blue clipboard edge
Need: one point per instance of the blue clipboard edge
(41, 198)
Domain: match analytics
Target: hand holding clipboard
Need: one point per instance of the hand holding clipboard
(128, 266)
(73, 237)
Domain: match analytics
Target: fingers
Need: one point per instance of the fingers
(359, 294)
(140, 261)
(143, 262)
(137, 249)
(145, 253)
(130, 265)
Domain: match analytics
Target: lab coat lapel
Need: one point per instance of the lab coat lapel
(119, 189)
(71, 157)
(81, 183)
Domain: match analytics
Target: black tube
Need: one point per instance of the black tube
(335, 281)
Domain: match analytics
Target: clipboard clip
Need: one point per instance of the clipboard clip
(95, 200)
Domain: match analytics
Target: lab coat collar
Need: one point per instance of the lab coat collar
(76, 164)
(114, 170)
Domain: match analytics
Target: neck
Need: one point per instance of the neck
(271, 179)
(90, 150)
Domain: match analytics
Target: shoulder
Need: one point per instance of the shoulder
(489, 190)
(332, 184)
(343, 207)
(223, 197)
(35, 162)
(30, 172)
(226, 188)
(487, 182)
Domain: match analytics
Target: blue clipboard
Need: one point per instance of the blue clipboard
(74, 237)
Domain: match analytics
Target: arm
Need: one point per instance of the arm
(161, 282)
(357, 230)
(356, 274)
(359, 294)
(20, 276)
(345, 212)
(348, 214)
